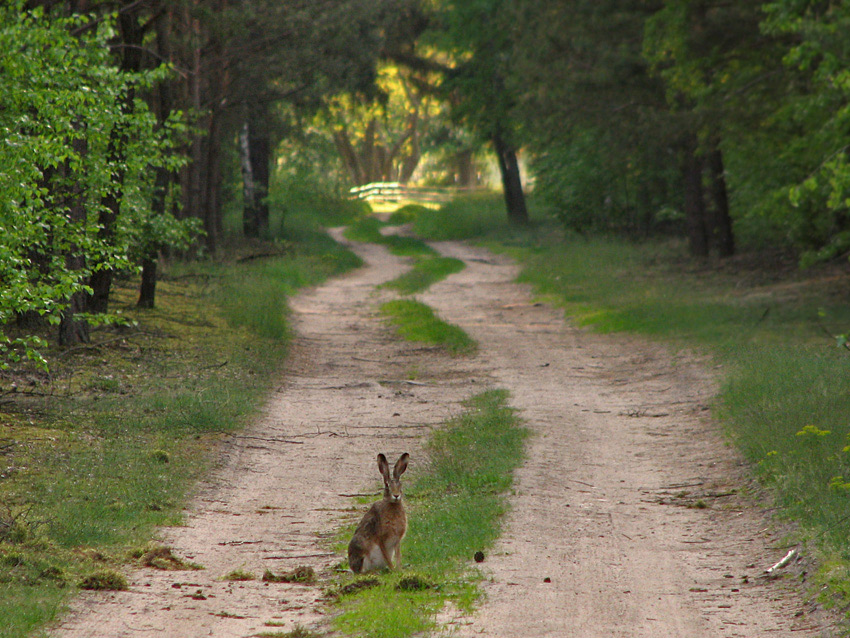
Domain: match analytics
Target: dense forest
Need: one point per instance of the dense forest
(126, 123)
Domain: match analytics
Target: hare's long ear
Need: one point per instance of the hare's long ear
(401, 465)
(384, 467)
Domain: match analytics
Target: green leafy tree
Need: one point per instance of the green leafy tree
(63, 100)
(814, 199)
(711, 57)
(476, 41)
(597, 124)
(284, 57)
(380, 137)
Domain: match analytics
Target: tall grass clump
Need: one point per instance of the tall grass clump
(472, 459)
(253, 295)
(788, 409)
(471, 217)
(455, 506)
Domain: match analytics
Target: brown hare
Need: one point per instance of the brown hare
(376, 543)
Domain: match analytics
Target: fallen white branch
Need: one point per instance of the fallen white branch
(783, 563)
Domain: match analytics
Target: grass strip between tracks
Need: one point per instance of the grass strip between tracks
(456, 502)
(416, 321)
(424, 273)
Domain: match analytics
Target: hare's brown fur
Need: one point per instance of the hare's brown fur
(377, 540)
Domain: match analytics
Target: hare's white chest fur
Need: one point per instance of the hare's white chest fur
(374, 560)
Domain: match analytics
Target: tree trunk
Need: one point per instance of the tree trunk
(210, 186)
(250, 223)
(147, 289)
(464, 168)
(260, 157)
(164, 101)
(721, 221)
(255, 151)
(511, 181)
(695, 212)
(409, 163)
(190, 175)
(368, 156)
(349, 156)
(132, 36)
(72, 329)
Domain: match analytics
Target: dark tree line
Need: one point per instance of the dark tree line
(728, 120)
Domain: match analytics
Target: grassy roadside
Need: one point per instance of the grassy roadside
(784, 399)
(455, 507)
(97, 455)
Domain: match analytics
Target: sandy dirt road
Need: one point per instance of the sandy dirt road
(627, 519)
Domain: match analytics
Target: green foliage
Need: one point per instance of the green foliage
(63, 104)
(366, 230)
(104, 580)
(416, 321)
(463, 218)
(407, 213)
(308, 182)
(383, 613)
(472, 461)
(253, 295)
(788, 412)
(814, 119)
(601, 137)
(610, 99)
(239, 575)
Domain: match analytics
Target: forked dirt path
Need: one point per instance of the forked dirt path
(626, 518)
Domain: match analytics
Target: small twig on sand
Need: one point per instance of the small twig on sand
(323, 555)
(263, 438)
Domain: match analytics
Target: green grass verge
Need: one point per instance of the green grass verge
(416, 321)
(784, 399)
(424, 273)
(107, 448)
(455, 508)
